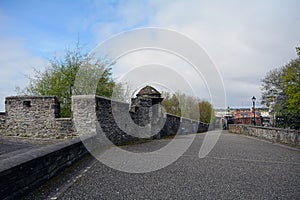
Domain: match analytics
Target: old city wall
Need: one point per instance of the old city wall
(30, 116)
(90, 111)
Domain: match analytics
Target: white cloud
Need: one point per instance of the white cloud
(245, 39)
(155, 66)
(15, 63)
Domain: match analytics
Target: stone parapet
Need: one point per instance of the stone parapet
(34, 116)
(285, 136)
(23, 172)
(39, 117)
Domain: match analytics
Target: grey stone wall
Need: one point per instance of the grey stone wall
(38, 116)
(202, 127)
(112, 117)
(35, 116)
(23, 172)
(286, 136)
(83, 113)
(2, 120)
(95, 114)
(65, 128)
(171, 126)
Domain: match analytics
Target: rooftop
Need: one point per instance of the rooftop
(149, 91)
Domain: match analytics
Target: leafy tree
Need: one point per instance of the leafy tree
(58, 79)
(291, 82)
(281, 91)
(181, 105)
(187, 106)
(171, 104)
(273, 87)
(298, 51)
(207, 114)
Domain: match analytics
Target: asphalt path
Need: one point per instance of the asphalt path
(238, 167)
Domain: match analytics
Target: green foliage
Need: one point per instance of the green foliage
(187, 106)
(281, 89)
(298, 51)
(171, 104)
(272, 86)
(291, 81)
(58, 79)
(207, 114)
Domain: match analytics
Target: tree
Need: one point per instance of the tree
(181, 105)
(291, 82)
(281, 92)
(298, 51)
(58, 79)
(207, 114)
(171, 104)
(186, 106)
(273, 87)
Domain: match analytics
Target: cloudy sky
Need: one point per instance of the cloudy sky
(244, 39)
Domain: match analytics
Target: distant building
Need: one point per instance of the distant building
(247, 116)
(244, 115)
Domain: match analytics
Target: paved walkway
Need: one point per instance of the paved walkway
(238, 167)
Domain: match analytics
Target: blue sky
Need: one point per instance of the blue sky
(49, 26)
(245, 39)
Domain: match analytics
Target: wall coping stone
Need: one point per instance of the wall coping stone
(184, 118)
(112, 100)
(267, 128)
(63, 119)
(31, 97)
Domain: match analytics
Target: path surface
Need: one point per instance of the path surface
(238, 167)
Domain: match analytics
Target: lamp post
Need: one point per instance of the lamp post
(253, 101)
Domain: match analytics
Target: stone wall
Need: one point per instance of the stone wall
(112, 116)
(23, 172)
(38, 116)
(171, 126)
(2, 120)
(35, 116)
(94, 114)
(286, 136)
(64, 128)
(203, 127)
(83, 113)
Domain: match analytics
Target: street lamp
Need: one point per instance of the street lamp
(253, 101)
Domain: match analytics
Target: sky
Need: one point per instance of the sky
(244, 39)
